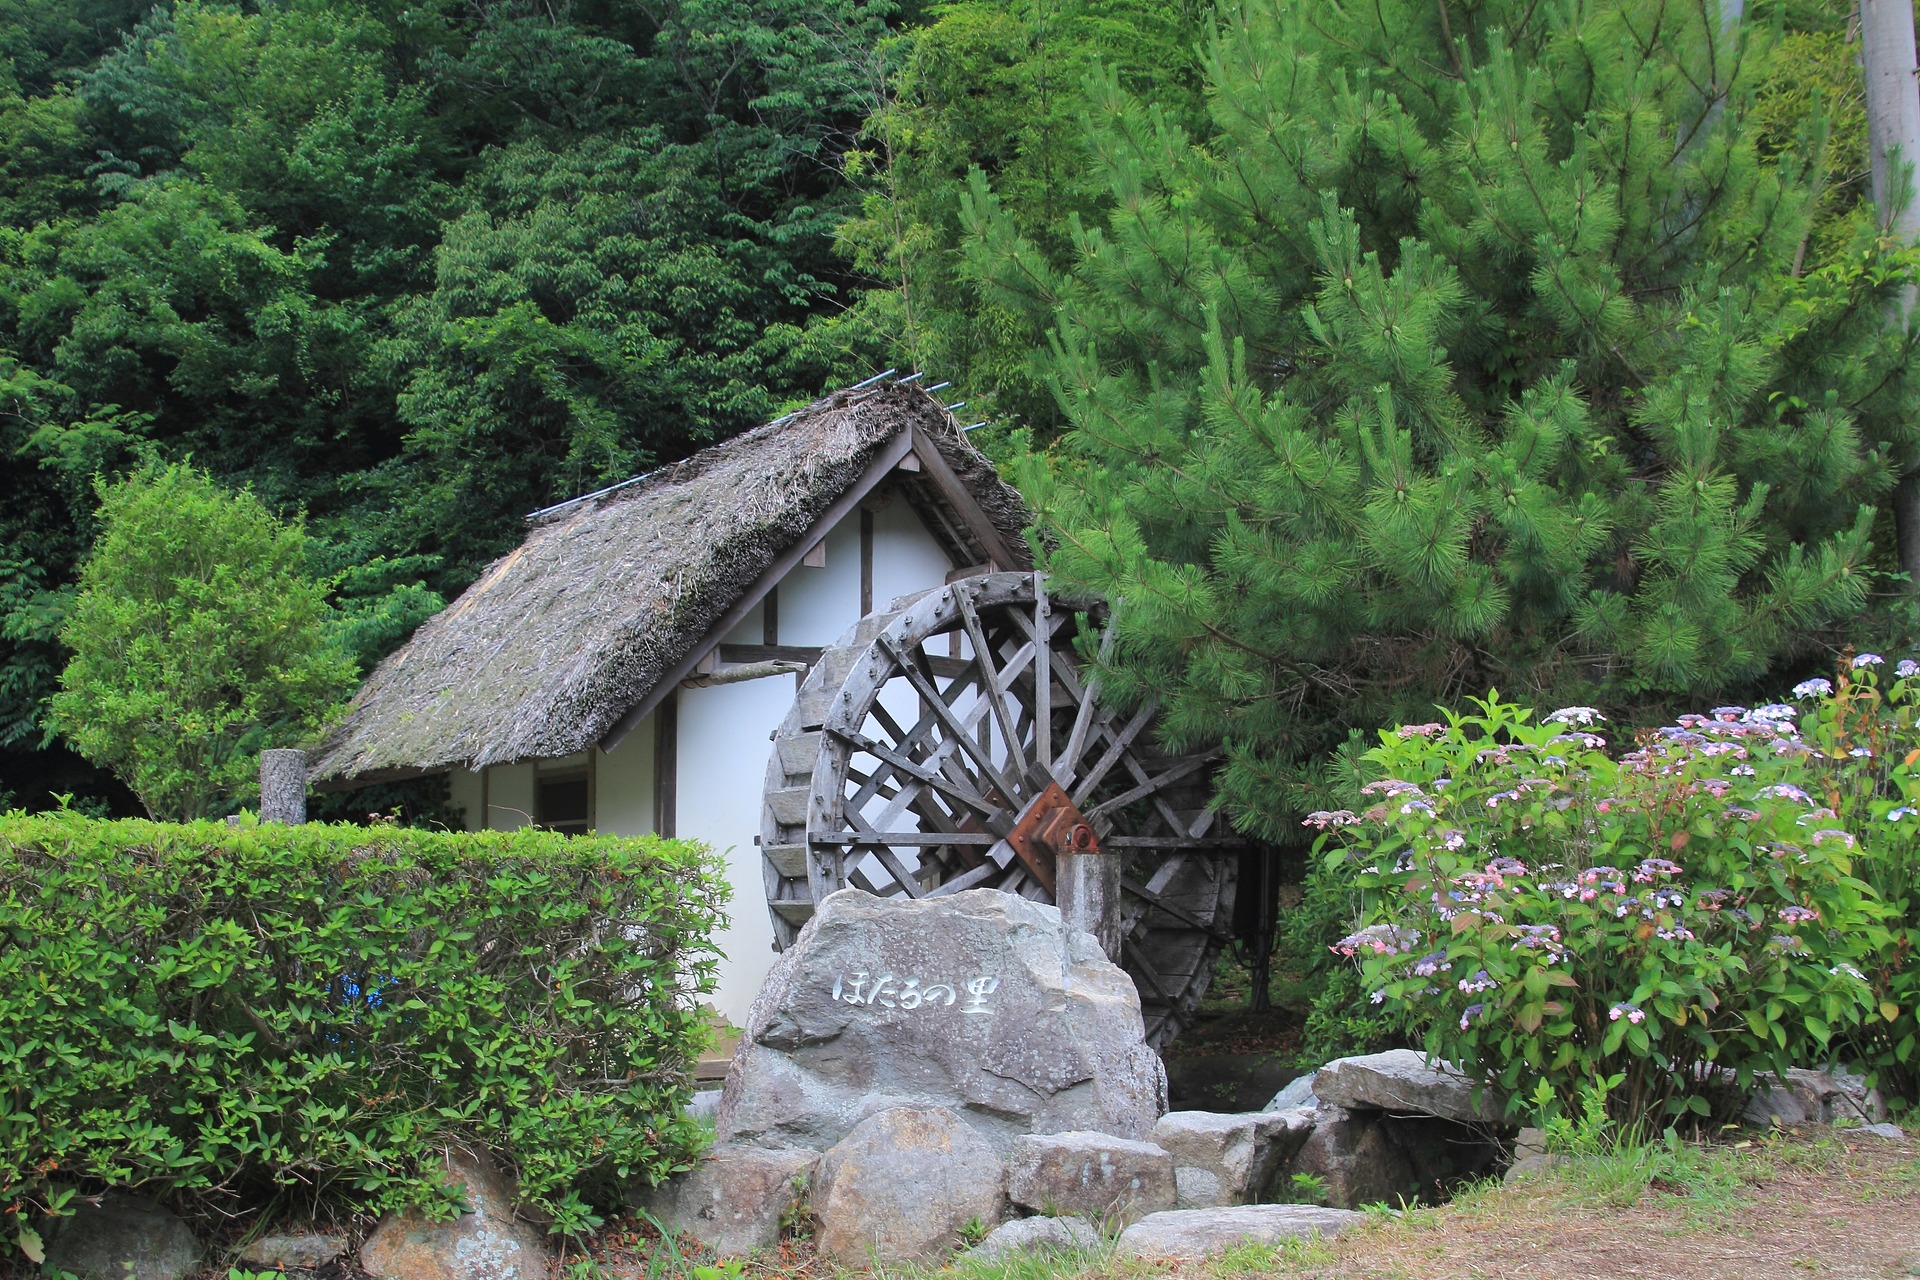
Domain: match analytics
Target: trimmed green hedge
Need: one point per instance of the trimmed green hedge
(209, 1011)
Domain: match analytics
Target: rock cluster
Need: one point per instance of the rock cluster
(486, 1242)
(934, 1070)
(123, 1236)
(981, 1002)
(925, 1070)
(1813, 1097)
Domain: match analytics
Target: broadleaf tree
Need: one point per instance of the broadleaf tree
(1461, 348)
(197, 640)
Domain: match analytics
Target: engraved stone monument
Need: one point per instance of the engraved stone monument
(980, 1001)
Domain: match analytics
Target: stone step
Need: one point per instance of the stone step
(794, 912)
(798, 751)
(789, 806)
(788, 859)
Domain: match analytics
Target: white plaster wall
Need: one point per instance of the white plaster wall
(818, 605)
(463, 792)
(509, 796)
(723, 748)
(725, 730)
(752, 628)
(623, 784)
(905, 556)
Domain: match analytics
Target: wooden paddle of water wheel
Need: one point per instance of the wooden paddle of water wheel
(955, 743)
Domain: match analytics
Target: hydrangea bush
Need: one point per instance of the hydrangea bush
(1678, 918)
(1863, 731)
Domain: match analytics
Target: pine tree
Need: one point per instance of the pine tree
(1469, 347)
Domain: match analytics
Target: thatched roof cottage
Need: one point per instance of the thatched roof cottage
(623, 669)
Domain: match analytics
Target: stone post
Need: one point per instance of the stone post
(283, 787)
(1087, 888)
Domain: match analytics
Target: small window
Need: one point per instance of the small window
(563, 804)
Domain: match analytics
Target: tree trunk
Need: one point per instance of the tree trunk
(1893, 144)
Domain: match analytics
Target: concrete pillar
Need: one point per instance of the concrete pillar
(283, 787)
(1087, 888)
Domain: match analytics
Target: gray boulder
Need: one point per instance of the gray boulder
(1807, 1096)
(1891, 1132)
(1298, 1093)
(487, 1242)
(1240, 1151)
(732, 1201)
(902, 1186)
(1187, 1235)
(123, 1234)
(307, 1251)
(979, 1001)
(703, 1104)
(1090, 1174)
(1196, 1188)
(1404, 1082)
(1356, 1159)
(1036, 1235)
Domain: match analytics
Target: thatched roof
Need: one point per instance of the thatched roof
(610, 595)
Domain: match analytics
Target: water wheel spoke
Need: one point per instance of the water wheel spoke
(925, 777)
(1139, 771)
(1086, 709)
(1181, 914)
(971, 878)
(876, 847)
(1116, 748)
(996, 691)
(1143, 967)
(906, 743)
(958, 730)
(1043, 677)
(1185, 766)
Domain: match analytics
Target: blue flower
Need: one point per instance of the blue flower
(1868, 660)
(1813, 688)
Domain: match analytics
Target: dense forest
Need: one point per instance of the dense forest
(1372, 358)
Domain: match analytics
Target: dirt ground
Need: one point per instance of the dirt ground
(1846, 1207)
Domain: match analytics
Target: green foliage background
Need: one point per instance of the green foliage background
(1373, 356)
(410, 269)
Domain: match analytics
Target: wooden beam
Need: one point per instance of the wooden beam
(769, 618)
(806, 653)
(961, 498)
(783, 564)
(666, 765)
(866, 559)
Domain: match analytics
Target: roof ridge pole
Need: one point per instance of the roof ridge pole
(888, 373)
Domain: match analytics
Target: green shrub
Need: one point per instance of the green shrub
(197, 639)
(1678, 919)
(1340, 1021)
(203, 1010)
(1865, 765)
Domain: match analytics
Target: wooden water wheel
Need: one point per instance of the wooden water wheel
(924, 752)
